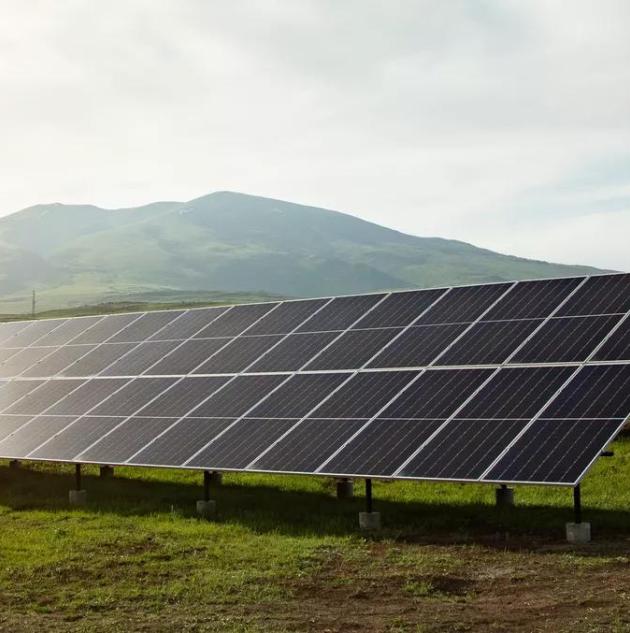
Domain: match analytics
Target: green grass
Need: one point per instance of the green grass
(285, 555)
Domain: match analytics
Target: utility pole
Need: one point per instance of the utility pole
(33, 304)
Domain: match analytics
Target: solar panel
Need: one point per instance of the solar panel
(505, 382)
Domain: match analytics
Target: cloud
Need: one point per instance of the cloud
(492, 121)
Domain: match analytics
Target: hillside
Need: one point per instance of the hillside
(73, 254)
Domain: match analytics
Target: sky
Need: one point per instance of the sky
(497, 122)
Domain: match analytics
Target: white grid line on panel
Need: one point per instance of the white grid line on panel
(168, 388)
(472, 324)
(352, 374)
(365, 364)
(83, 380)
(137, 345)
(507, 360)
(376, 292)
(610, 439)
(369, 422)
(229, 381)
(552, 399)
(406, 327)
(545, 321)
(283, 382)
(342, 332)
(124, 418)
(186, 340)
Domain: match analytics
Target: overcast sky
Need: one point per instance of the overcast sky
(501, 123)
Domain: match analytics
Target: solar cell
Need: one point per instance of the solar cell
(128, 438)
(33, 333)
(12, 392)
(187, 357)
(67, 331)
(178, 443)
(418, 346)
(488, 342)
(144, 327)
(238, 354)
(29, 436)
(75, 437)
(184, 396)
(341, 313)
(382, 447)
(533, 299)
(566, 339)
(305, 447)
(595, 392)
(238, 396)
(188, 324)
(293, 352)
(463, 449)
(240, 443)
(617, 347)
(555, 451)
(85, 396)
(10, 423)
(57, 360)
(136, 394)
(17, 363)
(296, 397)
(464, 305)
(140, 358)
(602, 294)
(97, 359)
(400, 309)
(40, 398)
(236, 320)
(516, 393)
(8, 330)
(105, 329)
(365, 394)
(6, 353)
(437, 394)
(353, 349)
(287, 316)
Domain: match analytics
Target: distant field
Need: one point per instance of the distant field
(285, 555)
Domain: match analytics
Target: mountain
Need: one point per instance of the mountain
(73, 254)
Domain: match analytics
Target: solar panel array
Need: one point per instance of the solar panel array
(506, 382)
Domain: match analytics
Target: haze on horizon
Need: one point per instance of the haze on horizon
(497, 122)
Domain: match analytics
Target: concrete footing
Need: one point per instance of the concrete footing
(14, 464)
(77, 497)
(370, 520)
(504, 497)
(216, 478)
(578, 532)
(106, 471)
(206, 509)
(345, 489)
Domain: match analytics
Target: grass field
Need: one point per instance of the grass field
(285, 555)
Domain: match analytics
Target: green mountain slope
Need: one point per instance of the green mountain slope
(230, 242)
